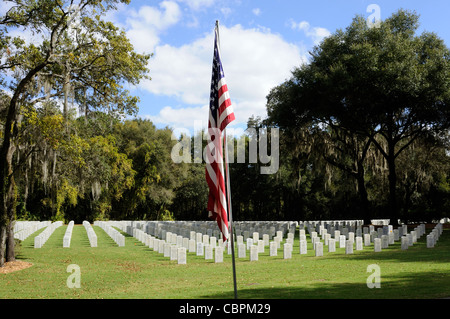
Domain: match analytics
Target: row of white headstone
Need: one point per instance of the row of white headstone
(90, 233)
(381, 239)
(172, 247)
(42, 238)
(208, 246)
(176, 238)
(246, 229)
(23, 229)
(200, 237)
(108, 227)
(68, 235)
(433, 237)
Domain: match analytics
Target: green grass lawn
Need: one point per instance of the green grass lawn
(136, 271)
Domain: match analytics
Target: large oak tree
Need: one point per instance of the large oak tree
(386, 84)
(76, 56)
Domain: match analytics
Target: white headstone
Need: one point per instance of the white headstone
(273, 248)
(337, 233)
(181, 255)
(359, 243)
(253, 253)
(205, 240)
(404, 230)
(266, 239)
(331, 245)
(161, 246)
(351, 236)
(185, 243)
(290, 236)
(326, 239)
(342, 241)
(218, 257)
(349, 246)
(366, 239)
(260, 246)
(384, 241)
(167, 249)
(249, 243)
(179, 240)
(396, 235)
(377, 244)
(410, 239)
(278, 241)
(391, 238)
(280, 234)
(38, 242)
(303, 247)
(319, 249)
(192, 245)
(405, 243)
(414, 236)
(173, 252)
(241, 250)
(430, 241)
(200, 251)
(213, 241)
(287, 251)
(208, 252)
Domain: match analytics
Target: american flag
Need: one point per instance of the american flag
(220, 115)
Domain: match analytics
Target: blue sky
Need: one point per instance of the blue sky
(261, 42)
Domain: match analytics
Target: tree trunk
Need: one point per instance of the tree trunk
(10, 242)
(2, 241)
(7, 149)
(7, 201)
(392, 202)
(66, 89)
(11, 202)
(363, 196)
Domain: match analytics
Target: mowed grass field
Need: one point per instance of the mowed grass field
(137, 272)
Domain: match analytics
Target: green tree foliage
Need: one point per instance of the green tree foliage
(78, 59)
(157, 176)
(385, 86)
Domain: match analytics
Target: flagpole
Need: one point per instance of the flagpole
(227, 175)
(230, 214)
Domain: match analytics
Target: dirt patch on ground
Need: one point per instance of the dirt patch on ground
(12, 266)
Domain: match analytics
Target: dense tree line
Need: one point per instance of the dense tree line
(363, 129)
(114, 169)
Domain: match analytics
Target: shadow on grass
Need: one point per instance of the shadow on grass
(408, 284)
(417, 252)
(424, 285)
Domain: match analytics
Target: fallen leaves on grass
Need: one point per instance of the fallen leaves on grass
(12, 266)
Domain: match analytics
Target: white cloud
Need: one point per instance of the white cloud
(226, 11)
(181, 72)
(256, 11)
(169, 15)
(254, 61)
(187, 117)
(145, 25)
(198, 4)
(317, 34)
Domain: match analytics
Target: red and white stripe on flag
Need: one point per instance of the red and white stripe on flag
(220, 115)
